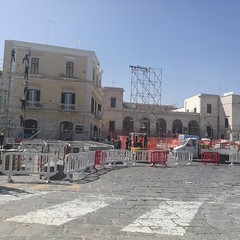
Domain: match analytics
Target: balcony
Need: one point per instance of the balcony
(67, 107)
(36, 75)
(33, 104)
(64, 77)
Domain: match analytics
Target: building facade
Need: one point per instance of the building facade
(53, 92)
(121, 118)
(206, 115)
(50, 92)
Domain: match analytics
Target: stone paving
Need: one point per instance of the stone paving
(140, 202)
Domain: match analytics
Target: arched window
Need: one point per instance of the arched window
(30, 128)
(209, 132)
(66, 131)
(128, 125)
(145, 125)
(161, 127)
(177, 126)
(193, 127)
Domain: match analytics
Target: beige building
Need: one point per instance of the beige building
(64, 99)
(61, 88)
(219, 116)
(121, 118)
(205, 115)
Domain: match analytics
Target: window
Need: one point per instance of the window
(79, 129)
(177, 126)
(226, 123)
(113, 102)
(195, 110)
(111, 126)
(33, 98)
(94, 75)
(92, 105)
(209, 108)
(66, 131)
(68, 101)
(193, 127)
(34, 65)
(69, 69)
(128, 125)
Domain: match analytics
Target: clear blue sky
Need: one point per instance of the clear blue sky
(196, 43)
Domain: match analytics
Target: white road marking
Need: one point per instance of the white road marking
(170, 218)
(65, 212)
(5, 198)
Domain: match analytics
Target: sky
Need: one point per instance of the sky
(196, 43)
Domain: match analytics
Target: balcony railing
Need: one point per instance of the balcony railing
(33, 104)
(67, 107)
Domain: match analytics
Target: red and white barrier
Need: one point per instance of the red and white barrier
(159, 157)
(210, 157)
(28, 163)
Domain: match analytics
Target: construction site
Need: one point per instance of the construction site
(55, 93)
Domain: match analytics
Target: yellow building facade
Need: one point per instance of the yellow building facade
(50, 92)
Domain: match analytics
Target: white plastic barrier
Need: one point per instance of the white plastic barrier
(44, 164)
(115, 156)
(143, 156)
(183, 156)
(234, 158)
(78, 163)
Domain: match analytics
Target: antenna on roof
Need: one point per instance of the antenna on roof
(78, 40)
(49, 21)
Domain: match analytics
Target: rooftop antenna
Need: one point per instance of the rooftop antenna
(49, 21)
(78, 41)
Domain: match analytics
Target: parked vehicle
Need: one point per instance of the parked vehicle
(198, 147)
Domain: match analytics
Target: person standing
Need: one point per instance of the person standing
(127, 143)
(1, 139)
(23, 100)
(118, 143)
(21, 120)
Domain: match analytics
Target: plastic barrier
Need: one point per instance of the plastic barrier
(98, 159)
(210, 157)
(159, 157)
(44, 164)
(234, 158)
(113, 157)
(142, 156)
(183, 156)
(78, 163)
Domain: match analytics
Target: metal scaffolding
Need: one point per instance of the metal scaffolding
(146, 88)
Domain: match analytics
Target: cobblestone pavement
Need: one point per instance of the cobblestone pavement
(140, 202)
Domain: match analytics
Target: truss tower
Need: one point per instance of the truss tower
(146, 88)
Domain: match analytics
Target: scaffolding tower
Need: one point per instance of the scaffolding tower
(9, 84)
(146, 88)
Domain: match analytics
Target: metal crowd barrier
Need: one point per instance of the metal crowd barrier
(234, 158)
(21, 163)
(183, 156)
